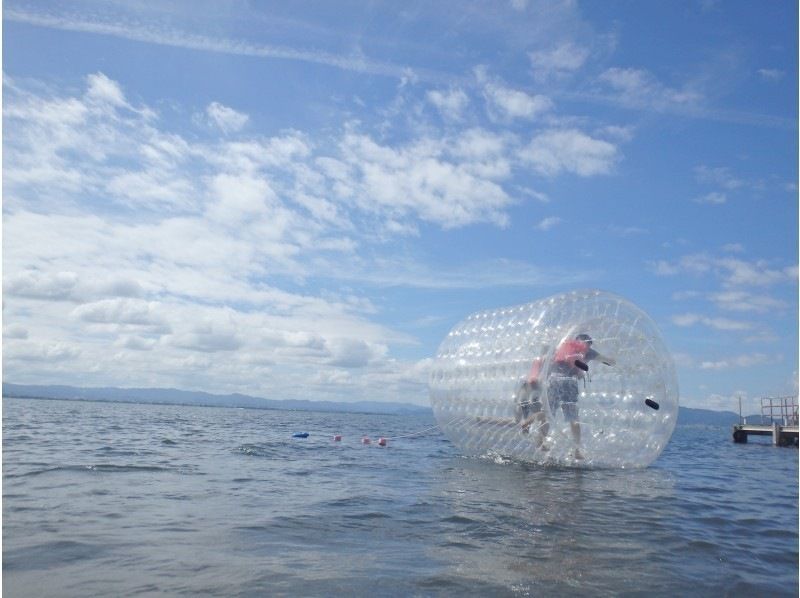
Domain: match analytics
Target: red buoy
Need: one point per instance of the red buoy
(337, 438)
(381, 442)
(365, 440)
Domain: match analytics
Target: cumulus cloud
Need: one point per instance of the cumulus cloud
(132, 255)
(451, 102)
(714, 198)
(226, 119)
(691, 319)
(41, 285)
(239, 197)
(732, 272)
(718, 175)
(103, 89)
(506, 104)
(547, 223)
(738, 361)
(426, 179)
(743, 301)
(558, 151)
(152, 188)
(208, 341)
(120, 311)
(353, 353)
(739, 272)
(512, 103)
(45, 352)
(558, 61)
(136, 343)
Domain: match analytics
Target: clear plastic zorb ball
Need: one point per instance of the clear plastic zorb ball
(579, 379)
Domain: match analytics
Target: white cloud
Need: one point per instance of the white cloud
(240, 197)
(426, 179)
(771, 74)
(132, 254)
(153, 188)
(563, 59)
(664, 268)
(208, 341)
(733, 248)
(226, 119)
(73, 271)
(41, 285)
(719, 175)
(640, 89)
(103, 89)
(483, 274)
(136, 343)
(120, 311)
(512, 103)
(691, 319)
(738, 362)
(451, 103)
(537, 195)
(742, 301)
(548, 223)
(569, 151)
(46, 352)
(133, 29)
(506, 104)
(617, 132)
(353, 353)
(742, 273)
(732, 272)
(715, 198)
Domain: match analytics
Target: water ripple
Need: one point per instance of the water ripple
(224, 502)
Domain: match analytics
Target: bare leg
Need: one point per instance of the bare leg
(541, 428)
(576, 436)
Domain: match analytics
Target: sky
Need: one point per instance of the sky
(300, 199)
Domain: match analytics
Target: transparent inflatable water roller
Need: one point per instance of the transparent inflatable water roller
(577, 379)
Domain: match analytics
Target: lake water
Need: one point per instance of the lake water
(105, 499)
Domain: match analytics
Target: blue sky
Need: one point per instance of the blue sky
(299, 200)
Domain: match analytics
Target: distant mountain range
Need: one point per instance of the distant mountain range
(171, 396)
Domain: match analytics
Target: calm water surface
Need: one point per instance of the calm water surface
(107, 499)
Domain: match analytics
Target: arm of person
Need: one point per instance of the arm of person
(592, 354)
(607, 360)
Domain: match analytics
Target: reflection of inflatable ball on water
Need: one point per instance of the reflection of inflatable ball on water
(578, 378)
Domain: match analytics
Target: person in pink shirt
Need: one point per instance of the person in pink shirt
(570, 365)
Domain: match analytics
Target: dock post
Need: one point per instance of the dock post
(776, 434)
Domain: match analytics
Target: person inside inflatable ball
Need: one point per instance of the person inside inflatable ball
(570, 364)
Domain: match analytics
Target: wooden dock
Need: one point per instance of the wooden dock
(778, 419)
